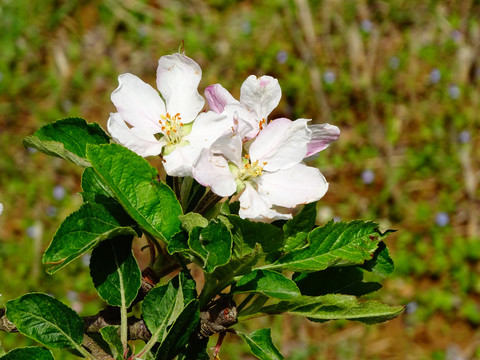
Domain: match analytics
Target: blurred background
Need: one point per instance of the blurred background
(400, 78)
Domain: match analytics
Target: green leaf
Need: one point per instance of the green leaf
(261, 344)
(28, 353)
(381, 262)
(46, 320)
(163, 305)
(212, 244)
(115, 271)
(346, 280)
(334, 307)
(246, 234)
(296, 230)
(191, 220)
(179, 333)
(68, 139)
(335, 244)
(267, 282)
(93, 186)
(83, 230)
(137, 187)
(112, 336)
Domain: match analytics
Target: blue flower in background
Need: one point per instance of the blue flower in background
(368, 176)
(435, 76)
(282, 56)
(329, 77)
(394, 63)
(59, 192)
(367, 26)
(442, 219)
(464, 137)
(454, 91)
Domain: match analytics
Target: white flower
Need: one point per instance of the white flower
(258, 98)
(165, 125)
(268, 174)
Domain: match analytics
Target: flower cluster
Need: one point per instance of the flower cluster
(234, 149)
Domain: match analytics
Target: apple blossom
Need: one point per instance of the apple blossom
(268, 174)
(165, 124)
(258, 98)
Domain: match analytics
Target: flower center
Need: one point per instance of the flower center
(250, 170)
(172, 128)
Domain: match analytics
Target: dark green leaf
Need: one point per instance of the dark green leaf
(381, 262)
(46, 320)
(212, 244)
(163, 305)
(335, 244)
(267, 282)
(179, 333)
(93, 186)
(296, 230)
(334, 307)
(346, 280)
(115, 271)
(246, 234)
(137, 187)
(67, 139)
(112, 336)
(83, 230)
(28, 353)
(261, 344)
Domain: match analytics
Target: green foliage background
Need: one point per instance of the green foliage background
(405, 93)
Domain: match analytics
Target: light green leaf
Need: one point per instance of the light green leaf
(261, 344)
(136, 186)
(115, 271)
(335, 244)
(28, 353)
(83, 230)
(112, 336)
(191, 220)
(68, 139)
(46, 320)
(334, 307)
(267, 282)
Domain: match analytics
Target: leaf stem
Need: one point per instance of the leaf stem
(245, 301)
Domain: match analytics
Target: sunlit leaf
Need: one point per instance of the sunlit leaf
(46, 320)
(261, 344)
(267, 282)
(28, 353)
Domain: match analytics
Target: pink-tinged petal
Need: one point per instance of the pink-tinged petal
(217, 97)
(138, 103)
(246, 123)
(255, 207)
(261, 95)
(180, 161)
(139, 140)
(297, 185)
(178, 77)
(207, 128)
(281, 144)
(322, 136)
(212, 170)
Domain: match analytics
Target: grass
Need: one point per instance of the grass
(404, 91)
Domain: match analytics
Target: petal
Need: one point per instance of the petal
(281, 144)
(217, 97)
(178, 77)
(297, 185)
(207, 128)
(254, 206)
(138, 103)
(180, 161)
(139, 140)
(322, 136)
(246, 122)
(212, 170)
(230, 146)
(261, 95)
